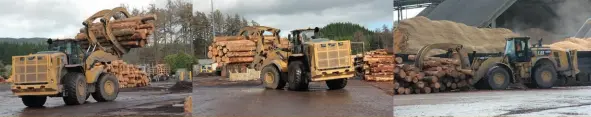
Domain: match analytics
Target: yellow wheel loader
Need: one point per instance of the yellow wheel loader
(69, 71)
(520, 63)
(309, 58)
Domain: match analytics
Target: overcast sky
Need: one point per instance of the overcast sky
(291, 14)
(54, 18)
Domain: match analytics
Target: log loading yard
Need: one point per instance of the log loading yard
(450, 62)
(261, 74)
(61, 81)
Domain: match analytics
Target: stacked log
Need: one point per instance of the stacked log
(238, 49)
(378, 66)
(437, 75)
(128, 75)
(129, 32)
(162, 69)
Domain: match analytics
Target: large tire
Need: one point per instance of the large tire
(544, 76)
(297, 77)
(76, 89)
(271, 78)
(336, 83)
(497, 78)
(34, 101)
(107, 88)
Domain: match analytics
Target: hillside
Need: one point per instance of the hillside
(343, 31)
(27, 40)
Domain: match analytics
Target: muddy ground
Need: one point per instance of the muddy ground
(560, 101)
(156, 99)
(213, 96)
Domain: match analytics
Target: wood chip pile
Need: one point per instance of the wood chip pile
(128, 75)
(379, 65)
(437, 75)
(131, 32)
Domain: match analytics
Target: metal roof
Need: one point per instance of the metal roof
(478, 13)
(205, 61)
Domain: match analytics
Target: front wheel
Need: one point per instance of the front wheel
(297, 79)
(336, 83)
(34, 101)
(497, 78)
(75, 85)
(271, 78)
(107, 88)
(544, 76)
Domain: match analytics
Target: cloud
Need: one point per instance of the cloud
(293, 14)
(54, 18)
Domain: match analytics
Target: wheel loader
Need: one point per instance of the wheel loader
(534, 66)
(310, 58)
(69, 71)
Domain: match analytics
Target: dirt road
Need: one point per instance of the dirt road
(152, 100)
(251, 99)
(534, 102)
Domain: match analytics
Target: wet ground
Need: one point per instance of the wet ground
(152, 100)
(561, 101)
(215, 97)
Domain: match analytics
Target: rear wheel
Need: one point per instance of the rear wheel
(34, 101)
(271, 78)
(297, 79)
(107, 88)
(544, 76)
(336, 83)
(75, 85)
(497, 78)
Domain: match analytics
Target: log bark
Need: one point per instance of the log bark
(240, 54)
(399, 60)
(412, 57)
(430, 79)
(436, 85)
(426, 90)
(466, 72)
(240, 59)
(435, 73)
(401, 90)
(407, 90)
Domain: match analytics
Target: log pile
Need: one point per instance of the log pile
(379, 66)
(162, 69)
(437, 75)
(128, 75)
(238, 49)
(130, 32)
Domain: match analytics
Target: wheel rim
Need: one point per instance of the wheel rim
(109, 87)
(269, 78)
(499, 78)
(81, 90)
(546, 76)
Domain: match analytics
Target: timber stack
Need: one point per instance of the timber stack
(379, 65)
(128, 75)
(238, 49)
(129, 32)
(162, 69)
(437, 75)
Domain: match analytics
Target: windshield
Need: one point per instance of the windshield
(510, 48)
(307, 35)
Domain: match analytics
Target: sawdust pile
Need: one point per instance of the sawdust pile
(414, 33)
(582, 44)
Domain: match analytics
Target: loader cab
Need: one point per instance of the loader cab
(70, 47)
(299, 37)
(518, 49)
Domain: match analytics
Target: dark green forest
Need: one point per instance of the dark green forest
(14, 47)
(373, 39)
